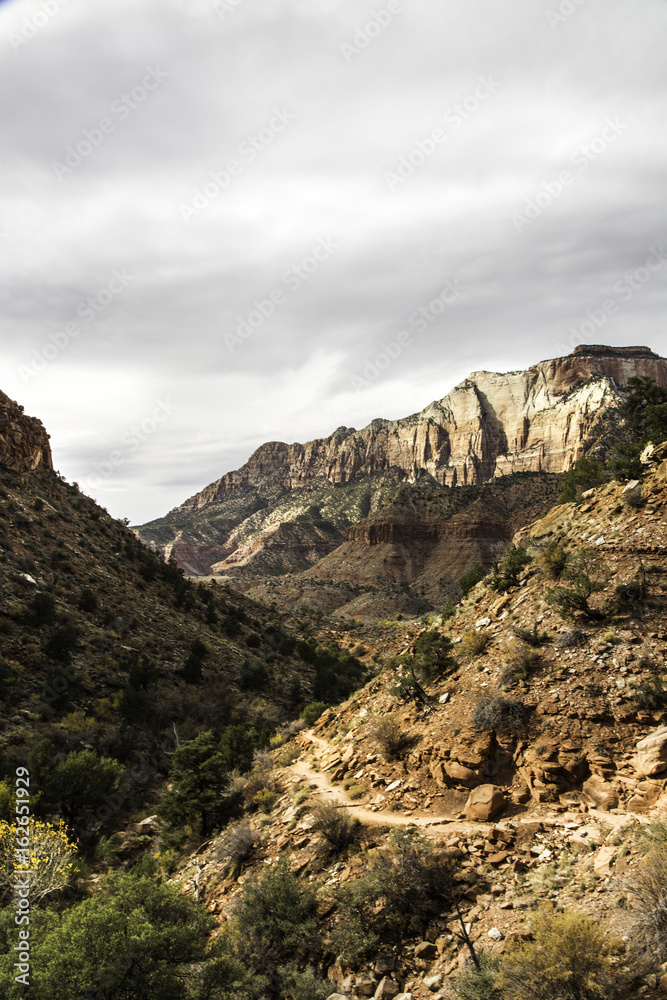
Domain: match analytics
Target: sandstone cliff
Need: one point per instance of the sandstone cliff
(24, 443)
(539, 420)
(489, 427)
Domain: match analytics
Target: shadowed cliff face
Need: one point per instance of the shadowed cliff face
(491, 425)
(24, 444)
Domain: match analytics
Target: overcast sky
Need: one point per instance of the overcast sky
(172, 169)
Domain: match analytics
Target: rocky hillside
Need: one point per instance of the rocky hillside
(103, 645)
(291, 506)
(24, 443)
(531, 765)
(407, 555)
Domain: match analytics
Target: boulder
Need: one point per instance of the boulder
(599, 793)
(485, 802)
(387, 989)
(603, 860)
(652, 753)
(365, 985)
(433, 983)
(385, 963)
(460, 774)
(426, 951)
(437, 769)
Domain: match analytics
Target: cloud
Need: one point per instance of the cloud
(226, 71)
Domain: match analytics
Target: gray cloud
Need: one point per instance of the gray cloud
(358, 116)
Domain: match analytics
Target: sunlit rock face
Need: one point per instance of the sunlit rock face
(538, 420)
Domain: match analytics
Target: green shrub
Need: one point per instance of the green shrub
(474, 983)
(198, 775)
(74, 786)
(531, 636)
(645, 411)
(136, 938)
(448, 610)
(649, 695)
(274, 919)
(356, 791)
(88, 601)
(475, 642)
(336, 825)
(586, 573)
(42, 608)
(62, 643)
(552, 560)
(568, 958)
(265, 799)
(387, 733)
(586, 473)
(311, 713)
(433, 655)
(511, 570)
(406, 885)
(296, 985)
(471, 578)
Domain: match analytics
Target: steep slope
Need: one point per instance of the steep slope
(291, 505)
(104, 645)
(536, 808)
(408, 554)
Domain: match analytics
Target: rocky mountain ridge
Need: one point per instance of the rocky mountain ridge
(291, 506)
(538, 420)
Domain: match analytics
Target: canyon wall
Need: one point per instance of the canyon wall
(491, 424)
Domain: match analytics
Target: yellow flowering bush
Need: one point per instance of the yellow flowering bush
(50, 861)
